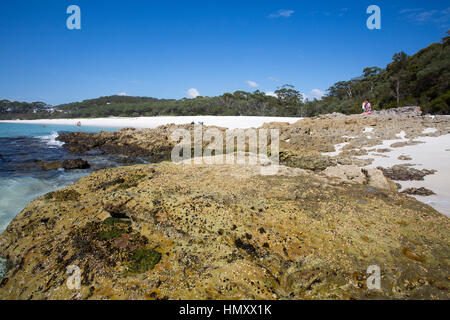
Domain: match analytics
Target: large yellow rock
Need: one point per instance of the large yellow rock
(224, 232)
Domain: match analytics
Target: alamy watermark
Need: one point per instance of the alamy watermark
(374, 21)
(238, 146)
(73, 22)
(74, 280)
(374, 280)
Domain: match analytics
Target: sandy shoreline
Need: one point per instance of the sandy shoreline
(432, 154)
(231, 122)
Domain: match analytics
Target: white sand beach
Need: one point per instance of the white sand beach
(432, 154)
(231, 122)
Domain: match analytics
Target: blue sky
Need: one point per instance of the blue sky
(164, 48)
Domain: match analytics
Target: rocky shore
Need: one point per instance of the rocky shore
(184, 231)
(307, 144)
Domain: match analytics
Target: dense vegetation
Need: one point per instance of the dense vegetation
(421, 79)
(15, 109)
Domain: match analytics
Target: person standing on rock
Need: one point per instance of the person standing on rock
(367, 107)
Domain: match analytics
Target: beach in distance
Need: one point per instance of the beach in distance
(230, 122)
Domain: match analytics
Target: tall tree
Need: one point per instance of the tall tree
(369, 76)
(397, 69)
(290, 98)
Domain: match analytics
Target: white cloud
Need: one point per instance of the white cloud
(314, 94)
(409, 10)
(343, 11)
(439, 17)
(252, 84)
(193, 93)
(123, 94)
(317, 94)
(273, 79)
(271, 94)
(282, 14)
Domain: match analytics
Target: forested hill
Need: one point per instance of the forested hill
(422, 79)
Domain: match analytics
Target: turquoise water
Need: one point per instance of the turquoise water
(32, 130)
(21, 181)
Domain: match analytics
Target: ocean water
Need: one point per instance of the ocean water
(39, 130)
(21, 181)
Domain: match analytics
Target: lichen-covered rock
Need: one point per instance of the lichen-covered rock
(168, 231)
(409, 110)
(418, 191)
(224, 232)
(355, 174)
(301, 143)
(376, 179)
(314, 162)
(405, 173)
(349, 174)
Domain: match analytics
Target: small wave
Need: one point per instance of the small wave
(17, 192)
(51, 139)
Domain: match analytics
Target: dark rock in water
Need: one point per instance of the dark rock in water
(69, 164)
(406, 143)
(45, 165)
(79, 142)
(107, 142)
(127, 160)
(404, 158)
(418, 191)
(403, 173)
(72, 164)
